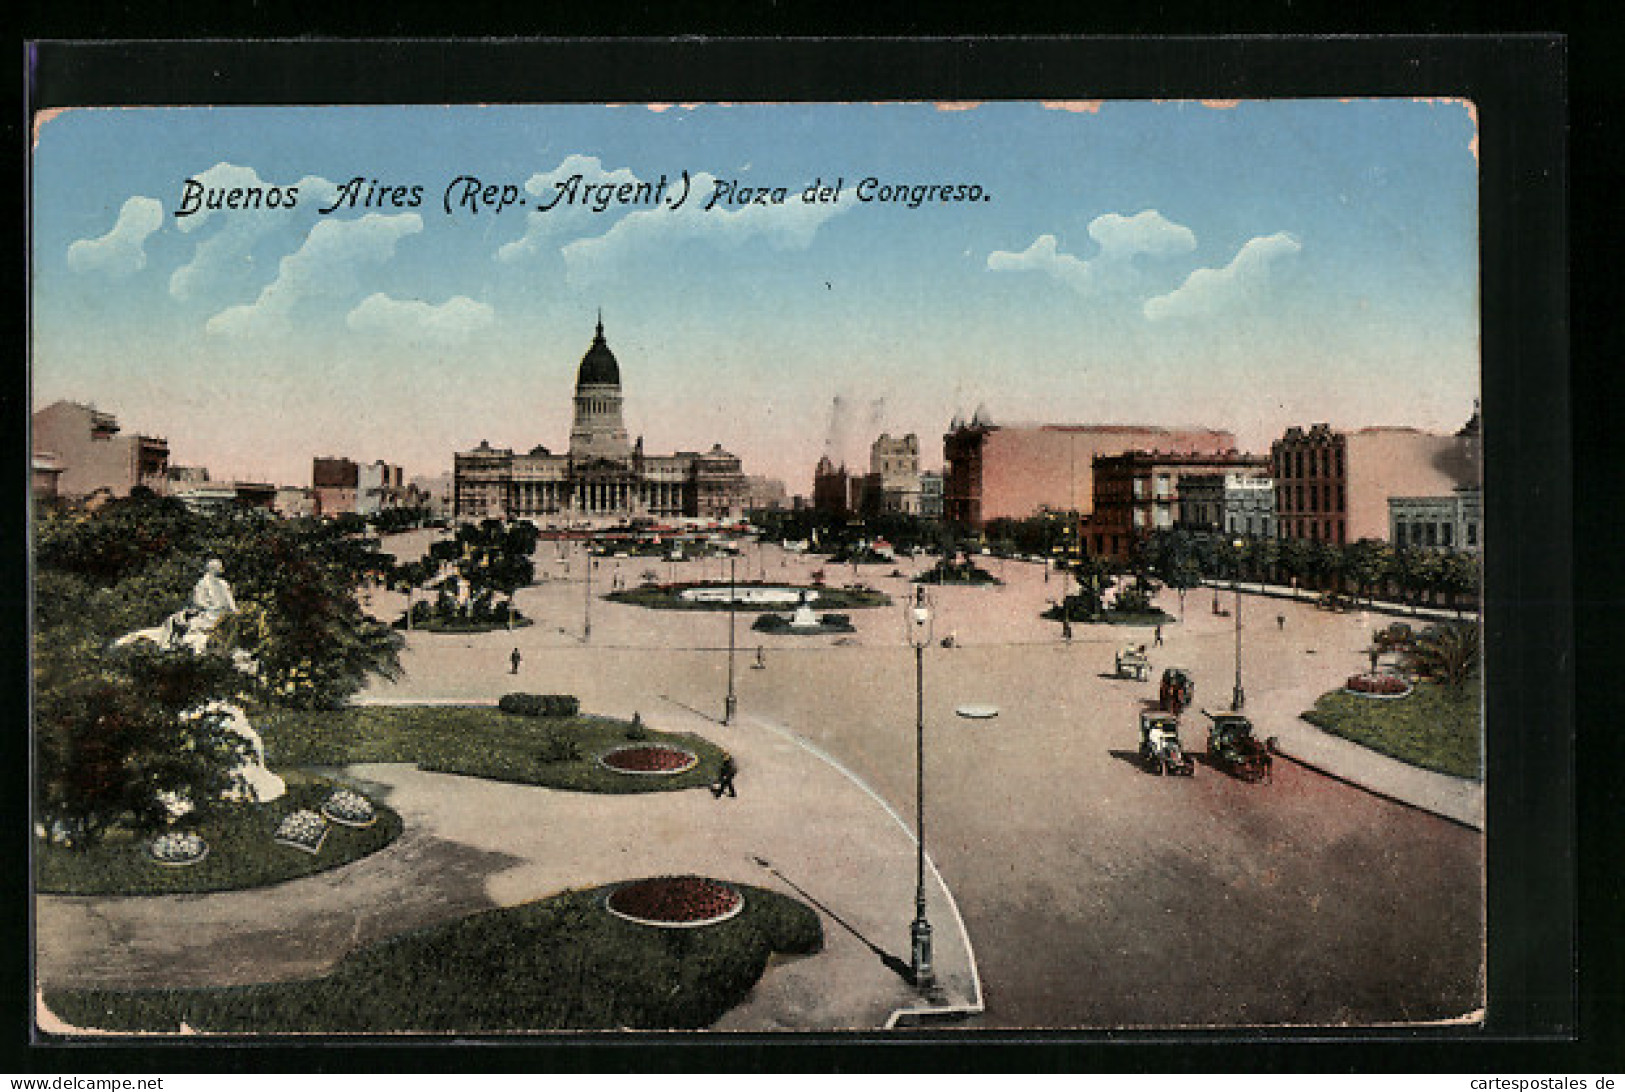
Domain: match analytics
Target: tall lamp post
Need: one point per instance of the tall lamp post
(919, 635)
(1238, 699)
(732, 702)
(586, 610)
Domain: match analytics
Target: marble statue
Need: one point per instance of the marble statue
(189, 629)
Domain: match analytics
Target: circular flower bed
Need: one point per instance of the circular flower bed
(675, 902)
(178, 848)
(349, 808)
(1378, 685)
(651, 759)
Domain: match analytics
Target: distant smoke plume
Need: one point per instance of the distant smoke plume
(852, 429)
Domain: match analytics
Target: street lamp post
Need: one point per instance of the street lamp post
(920, 931)
(586, 614)
(1238, 699)
(732, 703)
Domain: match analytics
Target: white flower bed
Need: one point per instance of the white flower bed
(349, 808)
(303, 830)
(178, 848)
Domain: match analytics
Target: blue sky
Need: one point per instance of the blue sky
(1247, 266)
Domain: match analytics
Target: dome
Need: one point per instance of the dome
(599, 367)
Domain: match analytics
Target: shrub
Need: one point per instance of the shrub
(636, 731)
(558, 747)
(540, 705)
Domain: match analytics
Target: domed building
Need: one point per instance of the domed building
(603, 479)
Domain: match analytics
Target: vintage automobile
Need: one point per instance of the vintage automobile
(1232, 747)
(1177, 692)
(1133, 663)
(1160, 749)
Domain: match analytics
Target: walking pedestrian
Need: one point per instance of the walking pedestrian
(725, 778)
(761, 658)
(1157, 640)
(1280, 621)
(513, 662)
(1066, 628)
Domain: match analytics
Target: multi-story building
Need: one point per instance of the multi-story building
(294, 501)
(437, 494)
(1448, 523)
(931, 483)
(894, 467)
(1016, 471)
(94, 458)
(763, 493)
(379, 485)
(603, 478)
(1139, 492)
(832, 488)
(1232, 504)
(336, 483)
(1334, 486)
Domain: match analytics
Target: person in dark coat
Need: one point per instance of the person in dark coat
(725, 778)
(513, 662)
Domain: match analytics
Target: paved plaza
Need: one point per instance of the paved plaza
(1076, 890)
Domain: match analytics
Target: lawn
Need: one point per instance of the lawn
(563, 963)
(1437, 727)
(478, 741)
(242, 852)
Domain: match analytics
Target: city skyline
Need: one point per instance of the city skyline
(1246, 266)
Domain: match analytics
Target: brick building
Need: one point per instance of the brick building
(1139, 492)
(1016, 471)
(1334, 486)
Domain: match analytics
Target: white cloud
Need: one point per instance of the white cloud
(1119, 238)
(453, 320)
(790, 226)
(541, 225)
(1207, 291)
(122, 250)
(325, 264)
(227, 249)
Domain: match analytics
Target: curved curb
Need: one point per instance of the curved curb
(977, 1004)
(1470, 822)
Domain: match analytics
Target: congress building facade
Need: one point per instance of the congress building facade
(604, 479)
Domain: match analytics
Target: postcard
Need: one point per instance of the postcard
(778, 567)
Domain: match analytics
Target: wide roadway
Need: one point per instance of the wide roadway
(1096, 895)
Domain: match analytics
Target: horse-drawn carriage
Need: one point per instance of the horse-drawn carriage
(1177, 692)
(1160, 749)
(1232, 747)
(1132, 662)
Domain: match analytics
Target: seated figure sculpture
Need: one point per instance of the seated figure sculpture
(190, 629)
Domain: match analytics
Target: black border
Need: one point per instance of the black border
(1519, 84)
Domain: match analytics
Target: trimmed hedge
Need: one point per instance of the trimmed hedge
(540, 705)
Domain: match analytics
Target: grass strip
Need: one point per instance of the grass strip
(563, 963)
(1437, 727)
(479, 741)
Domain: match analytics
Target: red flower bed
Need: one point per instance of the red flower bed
(650, 758)
(676, 900)
(1391, 686)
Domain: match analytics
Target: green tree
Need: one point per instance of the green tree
(1367, 564)
(1459, 576)
(1448, 653)
(1297, 561)
(1416, 571)
(111, 738)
